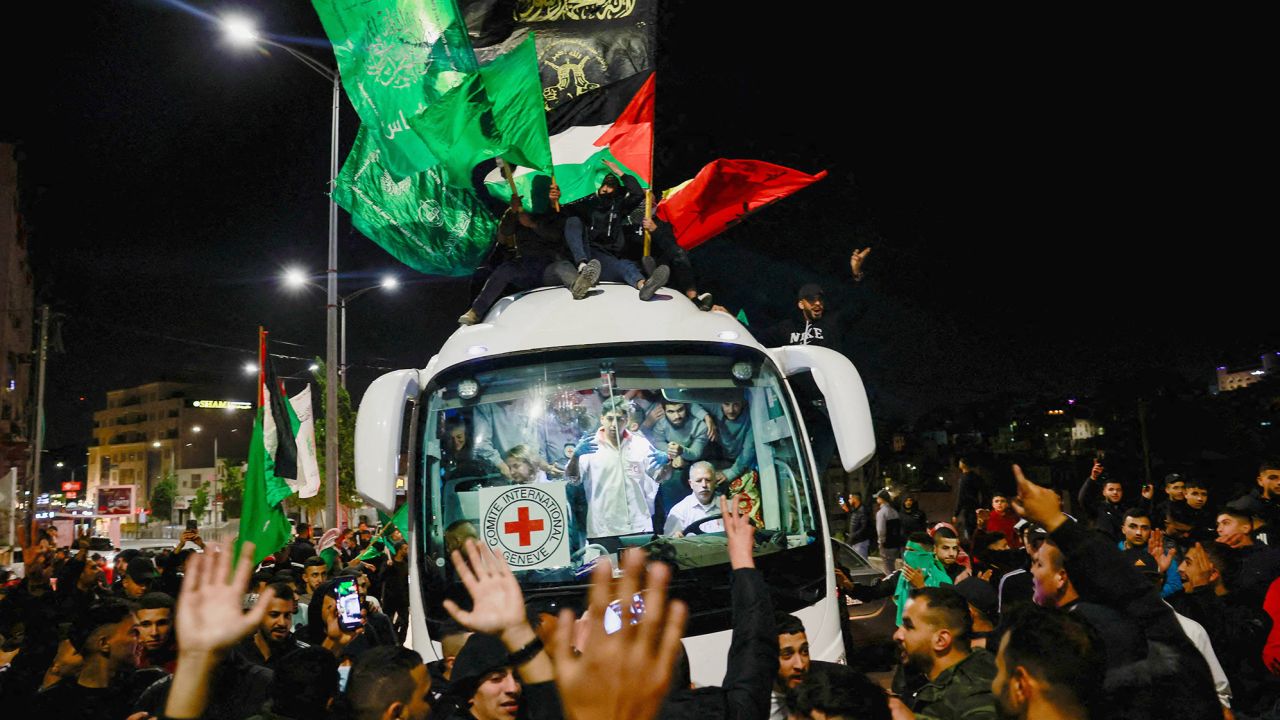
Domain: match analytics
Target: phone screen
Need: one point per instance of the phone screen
(350, 614)
(613, 613)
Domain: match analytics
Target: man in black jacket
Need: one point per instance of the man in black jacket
(595, 230)
(1172, 679)
(1237, 627)
(533, 243)
(753, 647)
(1102, 497)
(862, 527)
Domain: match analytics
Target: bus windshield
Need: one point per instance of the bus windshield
(560, 461)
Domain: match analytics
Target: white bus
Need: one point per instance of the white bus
(528, 382)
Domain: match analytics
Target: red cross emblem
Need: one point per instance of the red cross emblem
(523, 526)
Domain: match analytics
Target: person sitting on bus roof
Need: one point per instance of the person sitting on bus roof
(619, 475)
(699, 504)
(534, 246)
(594, 231)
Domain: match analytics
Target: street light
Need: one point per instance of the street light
(296, 278)
(240, 31)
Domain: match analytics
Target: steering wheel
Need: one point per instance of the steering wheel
(695, 527)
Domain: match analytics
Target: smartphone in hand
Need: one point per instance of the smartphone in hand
(350, 614)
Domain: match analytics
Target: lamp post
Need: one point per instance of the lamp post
(296, 278)
(242, 32)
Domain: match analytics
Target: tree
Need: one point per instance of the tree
(201, 501)
(162, 495)
(347, 494)
(231, 487)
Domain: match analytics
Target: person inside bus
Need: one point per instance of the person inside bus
(700, 503)
(618, 474)
(735, 444)
(457, 456)
(679, 441)
(520, 462)
(503, 425)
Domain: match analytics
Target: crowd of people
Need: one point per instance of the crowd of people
(1019, 611)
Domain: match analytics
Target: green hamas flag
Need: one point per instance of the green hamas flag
(397, 58)
(496, 112)
(422, 222)
(412, 76)
(399, 520)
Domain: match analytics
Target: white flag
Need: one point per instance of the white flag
(308, 482)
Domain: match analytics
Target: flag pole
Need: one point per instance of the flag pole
(648, 195)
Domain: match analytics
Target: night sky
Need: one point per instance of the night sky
(1048, 206)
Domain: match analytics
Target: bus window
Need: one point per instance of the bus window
(559, 461)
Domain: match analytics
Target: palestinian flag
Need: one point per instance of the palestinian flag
(722, 193)
(580, 129)
(273, 461)
(593, 59)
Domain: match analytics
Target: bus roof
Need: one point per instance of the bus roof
(613, 313)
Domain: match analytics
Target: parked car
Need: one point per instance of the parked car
(103, 547)
(868, 625)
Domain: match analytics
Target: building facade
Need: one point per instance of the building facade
(16, 313)
(1229, 380)
(161, 429)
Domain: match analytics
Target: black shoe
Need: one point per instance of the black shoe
(587, 278)
(655, 281)
(704, 301)
(649, 264)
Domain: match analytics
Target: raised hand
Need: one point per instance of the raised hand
(586, 446)
(1037, 504)
(497, 606)
(208, 623)
(856, 260)
(740, 533)
(1155, 547)
(497, 601)
(209, 617)
(624, 675)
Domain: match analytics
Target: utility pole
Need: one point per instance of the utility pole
(216, 532)
(1146, 445)
(38, 450)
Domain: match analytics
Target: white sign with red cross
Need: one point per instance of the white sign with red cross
(528, 524)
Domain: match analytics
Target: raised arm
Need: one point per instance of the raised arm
(753, 647)
(497, 608)
(209, 622)
(856, 261)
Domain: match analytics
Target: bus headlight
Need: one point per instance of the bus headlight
(742, 371)
(468, 389)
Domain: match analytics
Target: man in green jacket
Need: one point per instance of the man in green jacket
(934, 639)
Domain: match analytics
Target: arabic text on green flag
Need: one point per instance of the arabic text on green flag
(422, 222)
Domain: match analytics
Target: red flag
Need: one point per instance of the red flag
(725, 191)
(630, 139)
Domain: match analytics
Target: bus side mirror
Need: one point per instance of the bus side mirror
(379, 426)
(845, 396)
